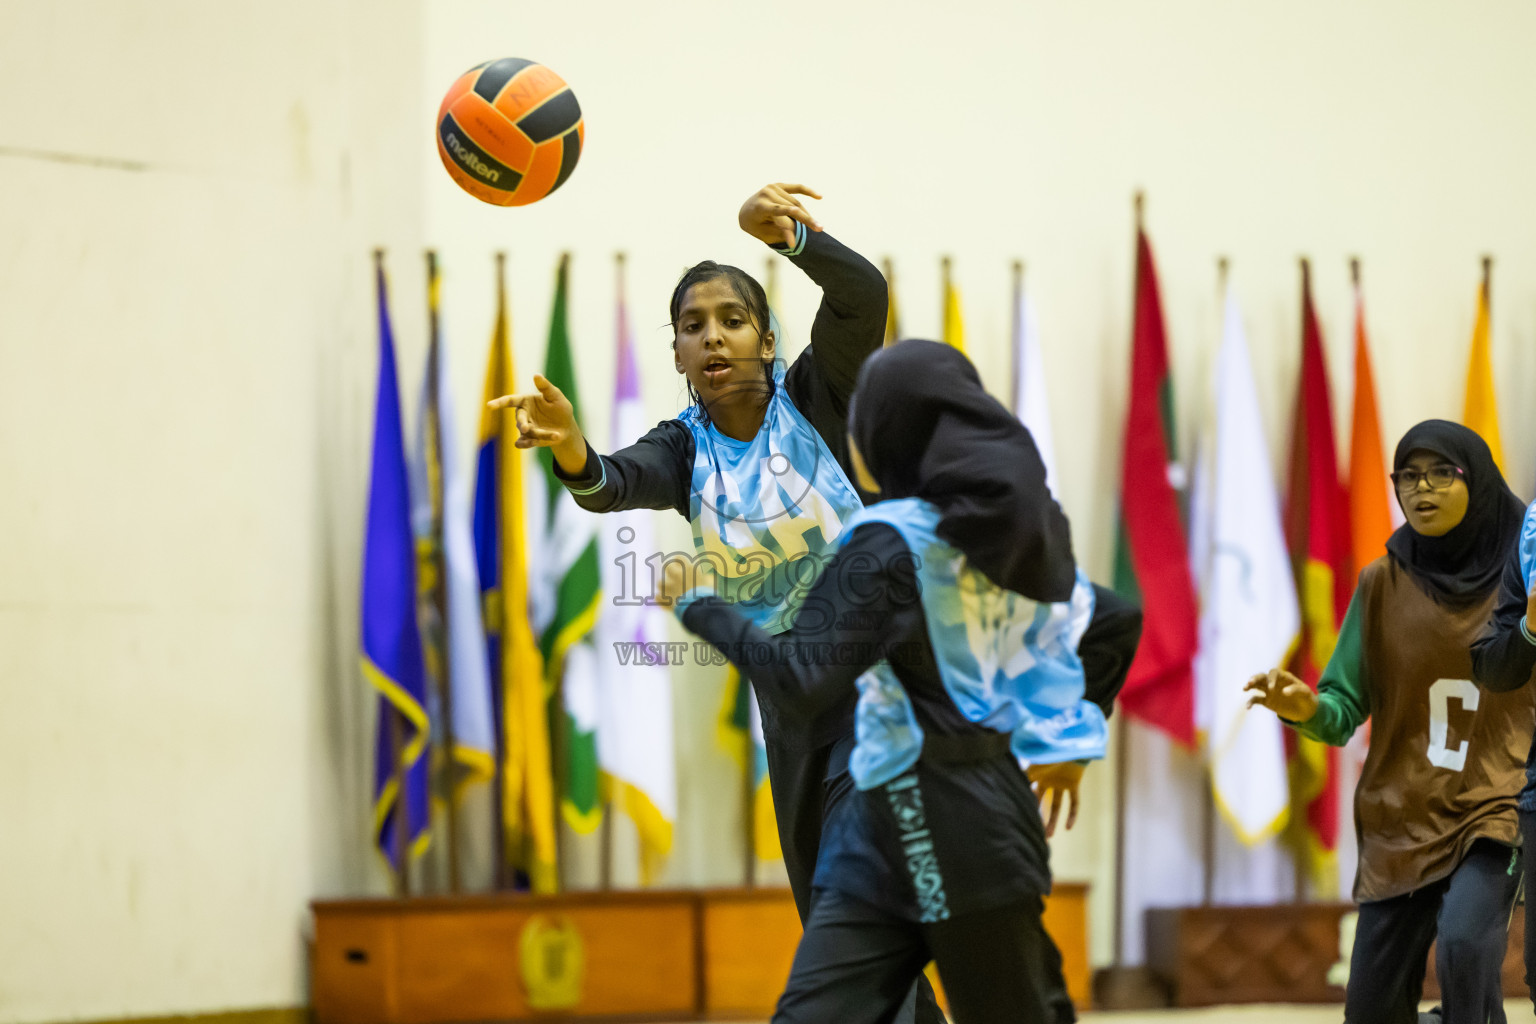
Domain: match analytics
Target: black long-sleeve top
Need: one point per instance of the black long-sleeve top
(867, 606)
(1503, 659)
(656, 471)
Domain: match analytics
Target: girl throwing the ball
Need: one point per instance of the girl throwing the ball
(953, 608)
(758, 464)
(1435, 805)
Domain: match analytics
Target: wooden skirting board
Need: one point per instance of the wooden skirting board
(1207, 956)
(710, 954)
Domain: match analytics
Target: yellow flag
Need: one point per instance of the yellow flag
(954, 327)
(892, 318)
(1481, 412)
(528, 794)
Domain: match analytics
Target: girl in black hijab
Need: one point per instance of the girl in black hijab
(1435, 805)
(954, 606)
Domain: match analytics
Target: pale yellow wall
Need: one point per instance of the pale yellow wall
(187, 350)
(186, 360)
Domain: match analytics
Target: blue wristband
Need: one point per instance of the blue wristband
(799, 246)
(1525, 629)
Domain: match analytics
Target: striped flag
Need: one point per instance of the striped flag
(1031, 400)
(634, 706)
(1317, 533)
(567, 597)
(1151, 559)
(954, 326)
(1481, 410)
(453, 631)
(390, 653)
(515, 666)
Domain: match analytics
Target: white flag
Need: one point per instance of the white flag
(634, 699)
(1030, 401)
(1249, 613)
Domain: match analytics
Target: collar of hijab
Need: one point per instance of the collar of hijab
(927, 428)
(1461, 567)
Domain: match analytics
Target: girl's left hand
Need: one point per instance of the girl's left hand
(674, 583)
(1058, 780)
(770, 214)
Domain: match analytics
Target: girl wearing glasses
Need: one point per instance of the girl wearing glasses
(1435, 806)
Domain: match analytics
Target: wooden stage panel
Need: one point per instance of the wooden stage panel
(633, 960)
(352, 968)
(749, 939)
(1066, 920)
(716, 954)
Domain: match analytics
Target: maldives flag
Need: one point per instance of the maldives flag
(1151, 560)
(1317, 531)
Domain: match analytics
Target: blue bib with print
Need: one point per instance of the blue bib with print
(1010, 664)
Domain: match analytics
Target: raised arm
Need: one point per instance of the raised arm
(863, 608)
(850, 323)
(1504, 657)
(654, 472)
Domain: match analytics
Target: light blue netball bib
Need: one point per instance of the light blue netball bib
(1009, 664)
(759, 507)
(1528, 549)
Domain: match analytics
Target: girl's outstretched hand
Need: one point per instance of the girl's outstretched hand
(1057, 780)
(770, 213)
(1283, 693)
(545, 419)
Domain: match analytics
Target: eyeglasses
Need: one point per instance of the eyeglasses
(1440, 477)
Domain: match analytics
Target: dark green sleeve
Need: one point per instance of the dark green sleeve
(1343, 702)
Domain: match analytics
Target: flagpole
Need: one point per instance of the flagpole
(1122, 757)
(945, 277)
(893, 326)
(499, 851)
(1300, 823)
(1488, 284)
(440, 584)
(1208, 786)
(1018, 333)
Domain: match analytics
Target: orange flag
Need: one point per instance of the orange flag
(1370, 490)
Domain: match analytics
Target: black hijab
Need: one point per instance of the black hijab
(1463, 566)
(926, 428)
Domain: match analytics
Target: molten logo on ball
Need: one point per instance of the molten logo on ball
(468, 159)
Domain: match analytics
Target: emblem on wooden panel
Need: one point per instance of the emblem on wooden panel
(552, 959)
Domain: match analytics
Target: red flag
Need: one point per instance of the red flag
(1151, 560)
(1317, 532)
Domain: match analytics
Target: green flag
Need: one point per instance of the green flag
(569, 584)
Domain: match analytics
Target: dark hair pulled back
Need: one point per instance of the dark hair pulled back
(751, 294)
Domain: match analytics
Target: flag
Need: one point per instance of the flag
(739, 731)
(954, 327)
(566, 601)
(1248, 613)
(1373, 511)
(892, 318)
(634, 706)
(515, 667)
(453, 632)
(1481, 411)
(391, 640)
(1317, 534)
(1031, 400)
(1151, 562)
